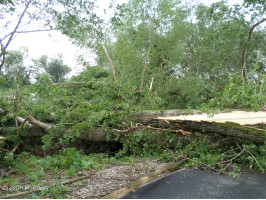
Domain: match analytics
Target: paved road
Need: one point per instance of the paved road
(190, 183)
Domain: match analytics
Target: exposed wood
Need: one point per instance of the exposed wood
(223, 123)
(240, 117)
(228, 128)
(112, 65)
(148, 117)
(135, 184)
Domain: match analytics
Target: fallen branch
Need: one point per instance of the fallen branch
(135, 184)
(42, 125)
(255, 160)
(152, 128)
(201, 163)
(38, 190)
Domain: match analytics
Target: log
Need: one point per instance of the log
(227, 128)
(232, 124)
(185, 122)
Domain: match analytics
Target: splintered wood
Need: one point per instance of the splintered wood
(240, 117)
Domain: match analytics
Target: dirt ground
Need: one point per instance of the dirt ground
(105, 181)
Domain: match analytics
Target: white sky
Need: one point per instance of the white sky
(53, 42)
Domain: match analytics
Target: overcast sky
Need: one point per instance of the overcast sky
(53, 42)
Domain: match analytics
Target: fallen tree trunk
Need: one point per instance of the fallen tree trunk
(230, 123)
(152, 119)
(227, 128)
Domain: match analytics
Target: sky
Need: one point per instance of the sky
(53, 42)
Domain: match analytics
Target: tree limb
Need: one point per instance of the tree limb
(42, 125)
(244, 66)
(15, 29)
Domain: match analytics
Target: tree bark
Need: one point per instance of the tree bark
(37, 123)
(158, 121)
(227, 128)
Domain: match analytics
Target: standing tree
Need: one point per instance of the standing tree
(55, 67)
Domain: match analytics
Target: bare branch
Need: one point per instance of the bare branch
(19, 21)
(31, 31)
(12, 35)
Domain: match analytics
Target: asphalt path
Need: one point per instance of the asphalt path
(199, 184)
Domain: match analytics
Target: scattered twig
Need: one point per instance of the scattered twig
(255, 160)
(201, 163)
(230, 160)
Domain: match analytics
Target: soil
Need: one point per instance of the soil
(105, 181)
